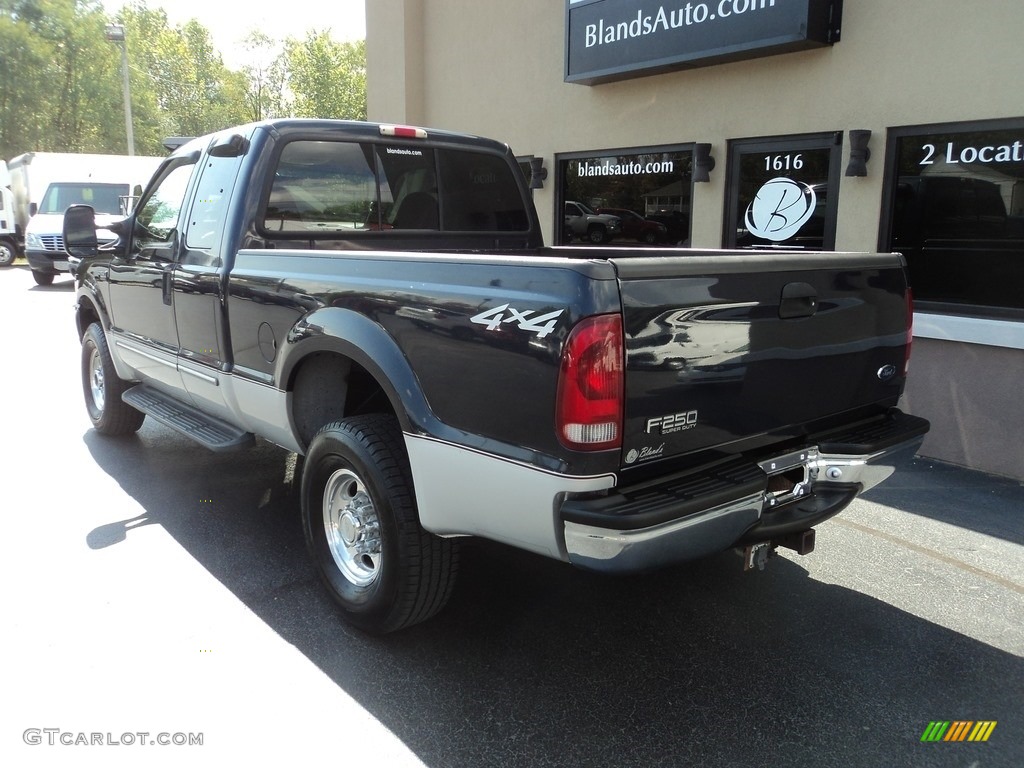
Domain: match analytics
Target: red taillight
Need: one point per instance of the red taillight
(910, 330)
(590, 386)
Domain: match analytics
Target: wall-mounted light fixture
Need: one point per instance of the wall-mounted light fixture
(537, 173)
(859, 153)
(703, 162)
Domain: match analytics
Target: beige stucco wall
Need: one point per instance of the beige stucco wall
(495, 68)
(975, 415)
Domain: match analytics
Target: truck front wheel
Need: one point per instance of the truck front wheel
(103, 387)
(362, 529)
(597, 235)
(7, 253)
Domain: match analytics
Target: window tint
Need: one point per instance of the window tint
(480, 194)
(956, 211)
(408, 188)
(206, 219)
(158, 215)
(324, 187)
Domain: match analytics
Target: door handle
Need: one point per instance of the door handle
(168, 284)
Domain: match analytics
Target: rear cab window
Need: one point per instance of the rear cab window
(351, 189)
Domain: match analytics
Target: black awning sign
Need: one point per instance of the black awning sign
(616, 39)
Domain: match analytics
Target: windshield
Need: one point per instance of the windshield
(104, 198)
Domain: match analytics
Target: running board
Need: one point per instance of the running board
(188, 420)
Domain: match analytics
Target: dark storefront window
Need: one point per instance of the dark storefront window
(954, 206)
(783, 192)
(648, 192)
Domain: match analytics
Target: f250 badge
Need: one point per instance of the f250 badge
(673, 422)
(542, 325)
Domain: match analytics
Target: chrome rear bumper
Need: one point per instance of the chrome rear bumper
(811, 486)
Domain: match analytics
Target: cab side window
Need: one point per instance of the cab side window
(209, 210)
(157, 218)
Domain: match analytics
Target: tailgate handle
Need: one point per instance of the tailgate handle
(798, 300)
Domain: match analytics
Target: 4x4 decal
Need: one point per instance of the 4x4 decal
(542, 325)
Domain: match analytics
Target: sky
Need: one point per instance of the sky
(229, 23)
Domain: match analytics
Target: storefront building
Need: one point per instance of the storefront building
(855, 126)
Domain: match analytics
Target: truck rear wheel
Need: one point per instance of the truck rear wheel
(362, 529)
(102, 387)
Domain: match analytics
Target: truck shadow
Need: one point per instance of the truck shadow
(534, 663)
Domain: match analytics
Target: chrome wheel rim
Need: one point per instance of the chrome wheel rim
(97, 384)
(352, 528)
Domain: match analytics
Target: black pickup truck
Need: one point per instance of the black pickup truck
(378, 299)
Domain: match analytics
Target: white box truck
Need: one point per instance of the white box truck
(46, 183)
(8, 229)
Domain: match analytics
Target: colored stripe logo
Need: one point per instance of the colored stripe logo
(958, 730)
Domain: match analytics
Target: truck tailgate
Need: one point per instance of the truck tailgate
(740, 350)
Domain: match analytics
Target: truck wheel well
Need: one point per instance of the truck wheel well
(87, 315)
(327, 387)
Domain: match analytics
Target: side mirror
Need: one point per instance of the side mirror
(80, 231)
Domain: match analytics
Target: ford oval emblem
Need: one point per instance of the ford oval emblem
(886, 372)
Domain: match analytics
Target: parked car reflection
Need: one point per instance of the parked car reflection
(636, 227)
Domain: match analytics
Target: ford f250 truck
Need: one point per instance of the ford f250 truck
(378, 299)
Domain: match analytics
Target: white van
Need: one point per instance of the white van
(51, 181)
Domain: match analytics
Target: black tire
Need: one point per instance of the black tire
(650, 238)
(42, 278)
(7, 253)
(362, 529)
(597, 235)
(102, 387)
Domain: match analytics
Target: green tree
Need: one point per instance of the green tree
(325, 78)
(264, 77)
(61, 84)
(190, 82)
(25, 58)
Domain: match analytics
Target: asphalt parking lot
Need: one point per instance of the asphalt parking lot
(153, 587)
